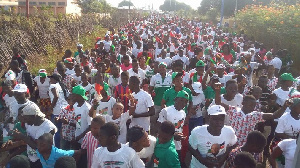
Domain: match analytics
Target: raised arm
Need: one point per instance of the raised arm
(218, 97)
(278, 113)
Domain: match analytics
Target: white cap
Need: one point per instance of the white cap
(79, 45)
(10, 75)
(32, 109)
(20, 88)
(197, 87)
(216, 110)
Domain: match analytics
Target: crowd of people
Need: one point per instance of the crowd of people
(162, 92)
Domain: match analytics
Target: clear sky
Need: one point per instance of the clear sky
(156, 3)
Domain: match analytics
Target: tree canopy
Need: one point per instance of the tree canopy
(173, 5)
(93, 6)
(229, 5)
(125, 3)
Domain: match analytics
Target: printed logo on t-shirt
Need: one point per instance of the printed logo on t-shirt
(179, 124)
(78, 121)
(103, 111)
(214, 149)
(108, 164)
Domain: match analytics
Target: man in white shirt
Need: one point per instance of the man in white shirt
(81, 110)
(163, 58)
(36, 125)
(107, 43)
(277, 63)
(141, 105)
(136, 71)
(211, 144)
(180, 56)
(112, 153)
(138, 49)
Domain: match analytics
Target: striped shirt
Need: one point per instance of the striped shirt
(90, 143)
(122, 94)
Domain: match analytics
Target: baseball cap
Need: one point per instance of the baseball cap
(200, 63)
(216, 110)
(68, 60)
(79, 90)
(79, 45)
(162, 63)
(56, 76)
(197, 87)
(10, 75)
(287, 77)
(32, 109)
(175, 74)
(183, 94)
(43, 73)
(20, 88)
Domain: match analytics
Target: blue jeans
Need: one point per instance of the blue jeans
(57, 134)
(194, 122)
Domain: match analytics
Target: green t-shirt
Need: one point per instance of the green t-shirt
(166, 155)
(211, 94)
(171, 94)
(159, 93)
(76, 54)
(18, 126)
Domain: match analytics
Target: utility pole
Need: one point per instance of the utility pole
(222, 13)
(27, 9)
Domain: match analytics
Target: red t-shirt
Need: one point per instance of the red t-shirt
(228, 58)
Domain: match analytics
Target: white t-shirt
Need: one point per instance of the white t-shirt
(197, 102)
(236, 101)
(89, 91)
(35, 132)
(69, 71)
(107, 45)
(176, 117)
(61, 102)
(77, 78)
(276, 62)
(14, 109)
(125, 157)
(105, 107)
(136, 51)
(121, 122)
(83, 120)
(9, 100)
(288, 147)
(288, 125)
(113, 82)
(184, 59)
(144, 102)
(157, 82)
(201, 140)
(140, 74)
(282, 96)
(166, 60)
(43, 87)
(146, 153)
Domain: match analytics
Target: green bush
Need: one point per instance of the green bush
(277, 26)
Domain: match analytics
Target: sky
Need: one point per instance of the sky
(156, 3)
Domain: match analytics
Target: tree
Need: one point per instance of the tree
(173, 5)
(125, 3)
(229, 5)
(93, 6)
